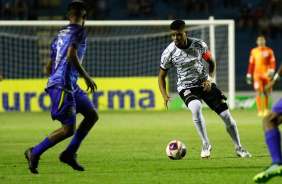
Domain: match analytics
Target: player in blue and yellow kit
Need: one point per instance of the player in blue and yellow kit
(64, 66)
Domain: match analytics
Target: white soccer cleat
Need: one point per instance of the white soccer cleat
(206, 150)
(241, 152)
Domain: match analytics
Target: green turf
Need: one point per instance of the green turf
(129, 147)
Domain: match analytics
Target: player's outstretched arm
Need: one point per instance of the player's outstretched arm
(1, 78)
(162, 87)
(74, 62)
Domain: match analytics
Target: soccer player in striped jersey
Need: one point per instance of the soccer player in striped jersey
(64, 66)
(272, 135)
(195, 84)
(262, 67)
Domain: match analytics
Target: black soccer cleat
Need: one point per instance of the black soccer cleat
(70, 160)
(32, 161)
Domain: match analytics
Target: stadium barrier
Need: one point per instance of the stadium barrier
(129, 93)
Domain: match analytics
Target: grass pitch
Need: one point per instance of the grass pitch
(129, 147)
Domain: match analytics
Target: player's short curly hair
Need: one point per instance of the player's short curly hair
(177, 25)
(77, 8)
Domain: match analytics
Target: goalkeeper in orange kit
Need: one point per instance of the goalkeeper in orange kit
(261, 69)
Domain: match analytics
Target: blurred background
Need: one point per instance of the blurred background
(252, 17)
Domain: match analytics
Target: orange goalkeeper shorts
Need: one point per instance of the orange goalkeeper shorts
(260, 81)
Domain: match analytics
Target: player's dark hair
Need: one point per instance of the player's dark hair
(77, 8)
(177, 25)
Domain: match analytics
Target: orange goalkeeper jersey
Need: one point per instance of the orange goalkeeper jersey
(261, 60)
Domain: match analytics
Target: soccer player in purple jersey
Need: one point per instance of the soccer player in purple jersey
(194, 84)
(64, 66)
(272, 135)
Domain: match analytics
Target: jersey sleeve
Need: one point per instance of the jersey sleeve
(205, 51)
(77, 38)
(165, 60)
(251, 63)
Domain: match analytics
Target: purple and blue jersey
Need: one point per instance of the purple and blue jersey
(66, 96)
(63, 75)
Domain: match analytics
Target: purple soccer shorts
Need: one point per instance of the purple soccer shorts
(66, 105)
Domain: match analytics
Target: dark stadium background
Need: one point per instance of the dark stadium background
(246, 13)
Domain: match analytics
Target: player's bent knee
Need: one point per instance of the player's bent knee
(94, 115)
(190, 99)
(194, 105)
(271, 121)
(91, 115)
(270, 118)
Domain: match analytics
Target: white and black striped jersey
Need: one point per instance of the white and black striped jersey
(187, 63)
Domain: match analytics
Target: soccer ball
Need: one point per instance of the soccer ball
(176, 150)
